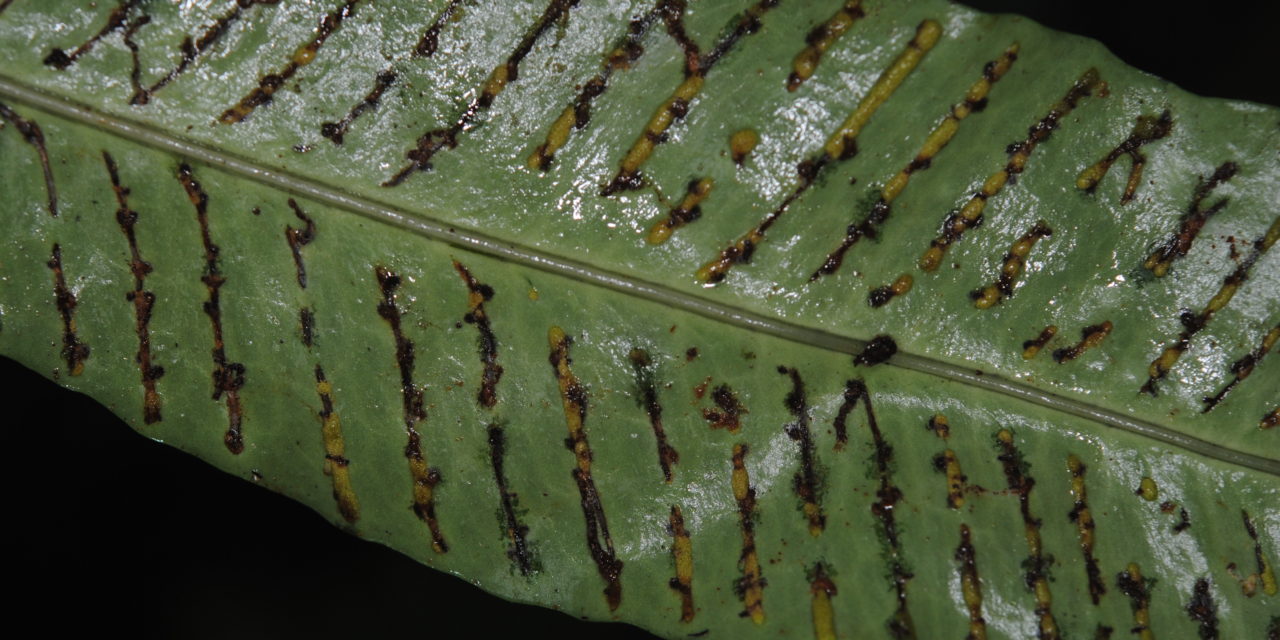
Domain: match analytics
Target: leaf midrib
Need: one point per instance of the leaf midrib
(478, 242)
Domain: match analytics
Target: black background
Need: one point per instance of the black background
(113, 532)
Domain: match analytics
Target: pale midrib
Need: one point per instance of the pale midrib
(530, 257)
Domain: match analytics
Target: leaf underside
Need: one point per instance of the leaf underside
(561, 298)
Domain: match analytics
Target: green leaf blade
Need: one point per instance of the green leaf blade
(357, 349)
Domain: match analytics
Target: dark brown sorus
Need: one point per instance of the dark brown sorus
(519, 550)
(877, 351)
(900, 624)
(228, 376)
(479, 293)
(435, 140)
(413, 410)
(647, 398)
(143, 301)
(191, 49)
(61, 59)
(74, 352)
(806, 482)
(573, 396)
(32, 134)
(728, 412)
(270, 83)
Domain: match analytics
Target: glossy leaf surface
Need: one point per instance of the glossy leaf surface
(557, 253)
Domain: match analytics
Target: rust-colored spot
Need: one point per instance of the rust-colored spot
(505, 73)
(74, 352)
(1270, 420)
(1147, 130)
(61, 59)
(31, 133)
(478, 293)
(820, 39)
(728, 412)
(1090, 337)
(682, 554)
(517, 533)
(272, 82)
(806, 482)
(975, 100)
(701, 389)
(228, 376)
(750, 587)
(647, 398)
(1192, 221)
(970, 585)
(1085, 527)
(143, 301)
(1014, 262)
(970, 215)
(1192, 322)
(413, 410)
(1036, 564)
(573, 396)
(1244, 366)
(1032, 347)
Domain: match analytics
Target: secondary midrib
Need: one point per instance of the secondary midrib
(481, 243)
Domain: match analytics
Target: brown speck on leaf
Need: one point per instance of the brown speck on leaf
(701, 390)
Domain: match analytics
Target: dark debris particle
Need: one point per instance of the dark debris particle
(880, 349)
